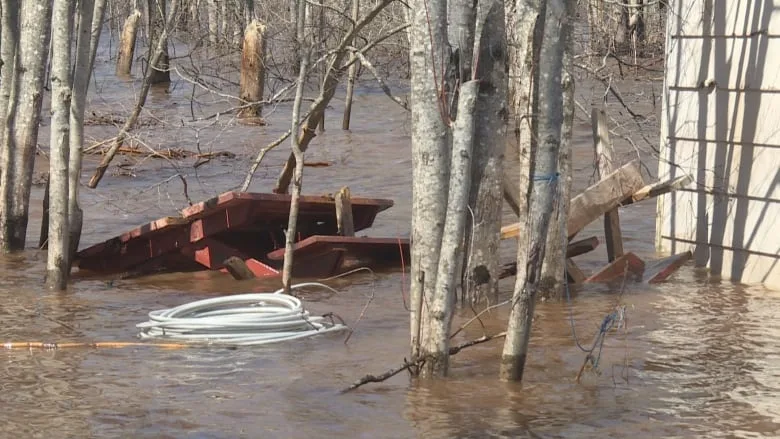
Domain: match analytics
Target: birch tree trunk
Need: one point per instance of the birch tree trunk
(22, 140)
(57, 268)
(91, 14)
(160, 71)
(429, 53)
(524, 28)
(212, 12)
(305, 46)
(486, 193)
(545, 179)
(554, 265)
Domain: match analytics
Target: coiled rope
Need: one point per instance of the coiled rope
(242, 319)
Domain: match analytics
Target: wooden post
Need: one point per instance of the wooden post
(605, 157)
(346, 225)
(124, 60)
(353, 68)
(253, 69)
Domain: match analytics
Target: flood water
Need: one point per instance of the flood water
(699, 357)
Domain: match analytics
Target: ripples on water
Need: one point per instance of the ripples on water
(699, 357)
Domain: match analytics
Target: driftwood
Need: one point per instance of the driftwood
(418, 362)
(165, 153)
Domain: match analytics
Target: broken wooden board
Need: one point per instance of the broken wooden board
(629, 263)
(574, 273)
(656, 189)
(660, 270)
(321, 256)
(605, 157)
(595, 200)
(574, 249)
(252, 224)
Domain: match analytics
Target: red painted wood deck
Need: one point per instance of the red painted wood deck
(247, 225)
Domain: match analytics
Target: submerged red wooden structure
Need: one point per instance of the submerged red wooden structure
(250, 226)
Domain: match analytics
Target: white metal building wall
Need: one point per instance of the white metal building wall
(721, 124)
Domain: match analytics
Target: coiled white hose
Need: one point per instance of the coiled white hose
(242, 319)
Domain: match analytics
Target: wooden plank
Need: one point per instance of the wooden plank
(576, 276)
(346, 225)
(660, 270)
(212, 254)
(582, 246)
(595, 200)
(628, 263)
(656, 189)
(605, 157)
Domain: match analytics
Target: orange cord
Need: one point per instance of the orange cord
(95, 345)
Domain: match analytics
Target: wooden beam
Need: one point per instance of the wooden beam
(605, 157)
(582, 246)
(628, 263)
(660, 270)
(238, 268)
(596, 200)
(659, 188)
(576, 276)
(346, 225)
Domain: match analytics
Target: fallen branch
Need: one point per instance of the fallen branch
(418, 362)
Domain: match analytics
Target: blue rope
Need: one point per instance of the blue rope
(548, 178)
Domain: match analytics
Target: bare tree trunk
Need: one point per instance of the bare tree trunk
(486, 194)
(249, 10)
(160, 70)
(429, 52)
(298, 152)
(124, 60)
(554, 265)
(157, 54)
(545, 180)
(253, 69)
(524, 28)
(89, 31)
(9, 45)
(22, 139)
(57, 268)
(212, 11)
(352, 76)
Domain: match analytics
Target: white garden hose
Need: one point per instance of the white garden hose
(242, 319)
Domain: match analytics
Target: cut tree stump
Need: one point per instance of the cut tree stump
(628, 263)
(124, 60)
(252, 81)
(605, 157)
(595, 200)
(346, 226)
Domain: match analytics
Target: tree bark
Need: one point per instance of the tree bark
(429, 53)
(545, 180)
(298, 152)
(252, 80)
(352, 75)
(57, 268)
(160, 71)
(124, 60)
(212, 12)
(485, 196)
(9, 46)
(22, 140)
(89, 31)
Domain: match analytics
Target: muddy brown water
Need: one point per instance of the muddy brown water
(699, 357)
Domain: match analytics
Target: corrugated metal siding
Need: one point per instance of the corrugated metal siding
(721, 124)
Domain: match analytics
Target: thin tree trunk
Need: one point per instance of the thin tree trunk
(91, 25)
(57, 268)
(298, 152)
(22, 141)
(545, 179)
(429, 53)
(554, 266)
(124, 60)
(524, 27)
(317, 108)
(253, 69)
(486, 194)
(352, 76)
(145, 85)
(9, 45)
(212, 11)
(159, 71)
